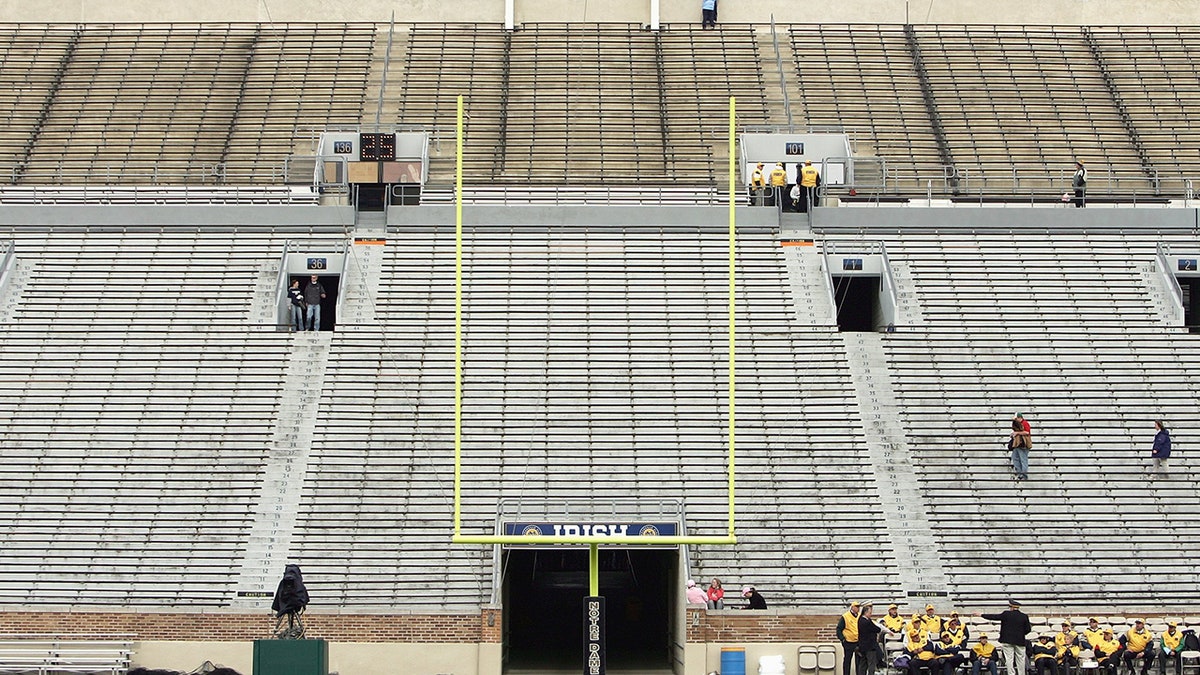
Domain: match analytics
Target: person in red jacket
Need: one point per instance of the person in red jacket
(716, 595)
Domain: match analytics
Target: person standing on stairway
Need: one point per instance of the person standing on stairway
(708, 10)
(1020, 443)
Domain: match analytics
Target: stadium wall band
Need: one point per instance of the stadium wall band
(1037, 12)
(371, 644)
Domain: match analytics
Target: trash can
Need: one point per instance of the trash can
(733, 661)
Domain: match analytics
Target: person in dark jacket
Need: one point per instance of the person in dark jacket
(868, 650)
(314, 293)
(1079, 184)
(756, 601)
(1162, 447)
(1014, 626)
(297, 298)
(291, 597)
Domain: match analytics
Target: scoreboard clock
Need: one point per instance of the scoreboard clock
(377, 147)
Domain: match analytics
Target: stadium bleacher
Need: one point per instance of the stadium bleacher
(146, 381)
(979, 110)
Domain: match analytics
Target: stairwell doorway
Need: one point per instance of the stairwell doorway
(542, 596)
(329, 304)
(859, 307)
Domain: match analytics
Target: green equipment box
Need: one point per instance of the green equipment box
(291, 657)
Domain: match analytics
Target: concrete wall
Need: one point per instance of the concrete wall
(1156, 12)
(898, 218)
(357, 658)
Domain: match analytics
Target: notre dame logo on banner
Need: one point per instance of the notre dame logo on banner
(593, 635)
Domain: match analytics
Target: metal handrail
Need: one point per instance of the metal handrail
(156, 194)
(599, 194)
(787, 105)
(6, 264)
(889, 279)
(1164, 270)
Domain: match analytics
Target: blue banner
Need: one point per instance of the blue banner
(593, 529)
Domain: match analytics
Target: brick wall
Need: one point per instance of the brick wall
(211, 626)
(770, 626)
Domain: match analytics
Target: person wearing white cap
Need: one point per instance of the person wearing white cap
(754, 600)
(695, 594)
(870, 653)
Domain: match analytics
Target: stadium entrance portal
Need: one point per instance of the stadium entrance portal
(329, 305)
(543, 596)
(858, 305)
(1190, 286)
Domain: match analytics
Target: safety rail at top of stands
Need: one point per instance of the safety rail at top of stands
(652, 508)
(699, 195)
(158, 194)
(884, 183)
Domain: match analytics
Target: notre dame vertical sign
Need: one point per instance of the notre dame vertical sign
(593, 635)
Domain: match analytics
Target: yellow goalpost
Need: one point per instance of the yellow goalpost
(593, 541)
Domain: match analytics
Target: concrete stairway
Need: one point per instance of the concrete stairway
(285, 469)
(920, 565)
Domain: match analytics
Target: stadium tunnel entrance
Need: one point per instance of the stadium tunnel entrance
(329, 304)
(858, 304)
(543, 592)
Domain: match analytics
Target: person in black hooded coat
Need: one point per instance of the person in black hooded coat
(291, 595)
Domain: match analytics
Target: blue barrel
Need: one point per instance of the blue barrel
(733, 661)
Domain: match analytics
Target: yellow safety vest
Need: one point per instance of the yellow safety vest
(778, 177)
(1063, 642)
(893, 623)
(932, 624)
(808, 176)
(984, 651)
(756, 179)
(1136, 642)
(850, 632)
(1172, 641)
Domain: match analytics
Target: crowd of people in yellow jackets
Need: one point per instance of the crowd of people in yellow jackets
(941, 646)
(773, 189)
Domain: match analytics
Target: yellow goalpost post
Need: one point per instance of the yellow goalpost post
(593, 541)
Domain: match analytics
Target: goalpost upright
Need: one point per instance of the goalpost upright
(593, 541)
